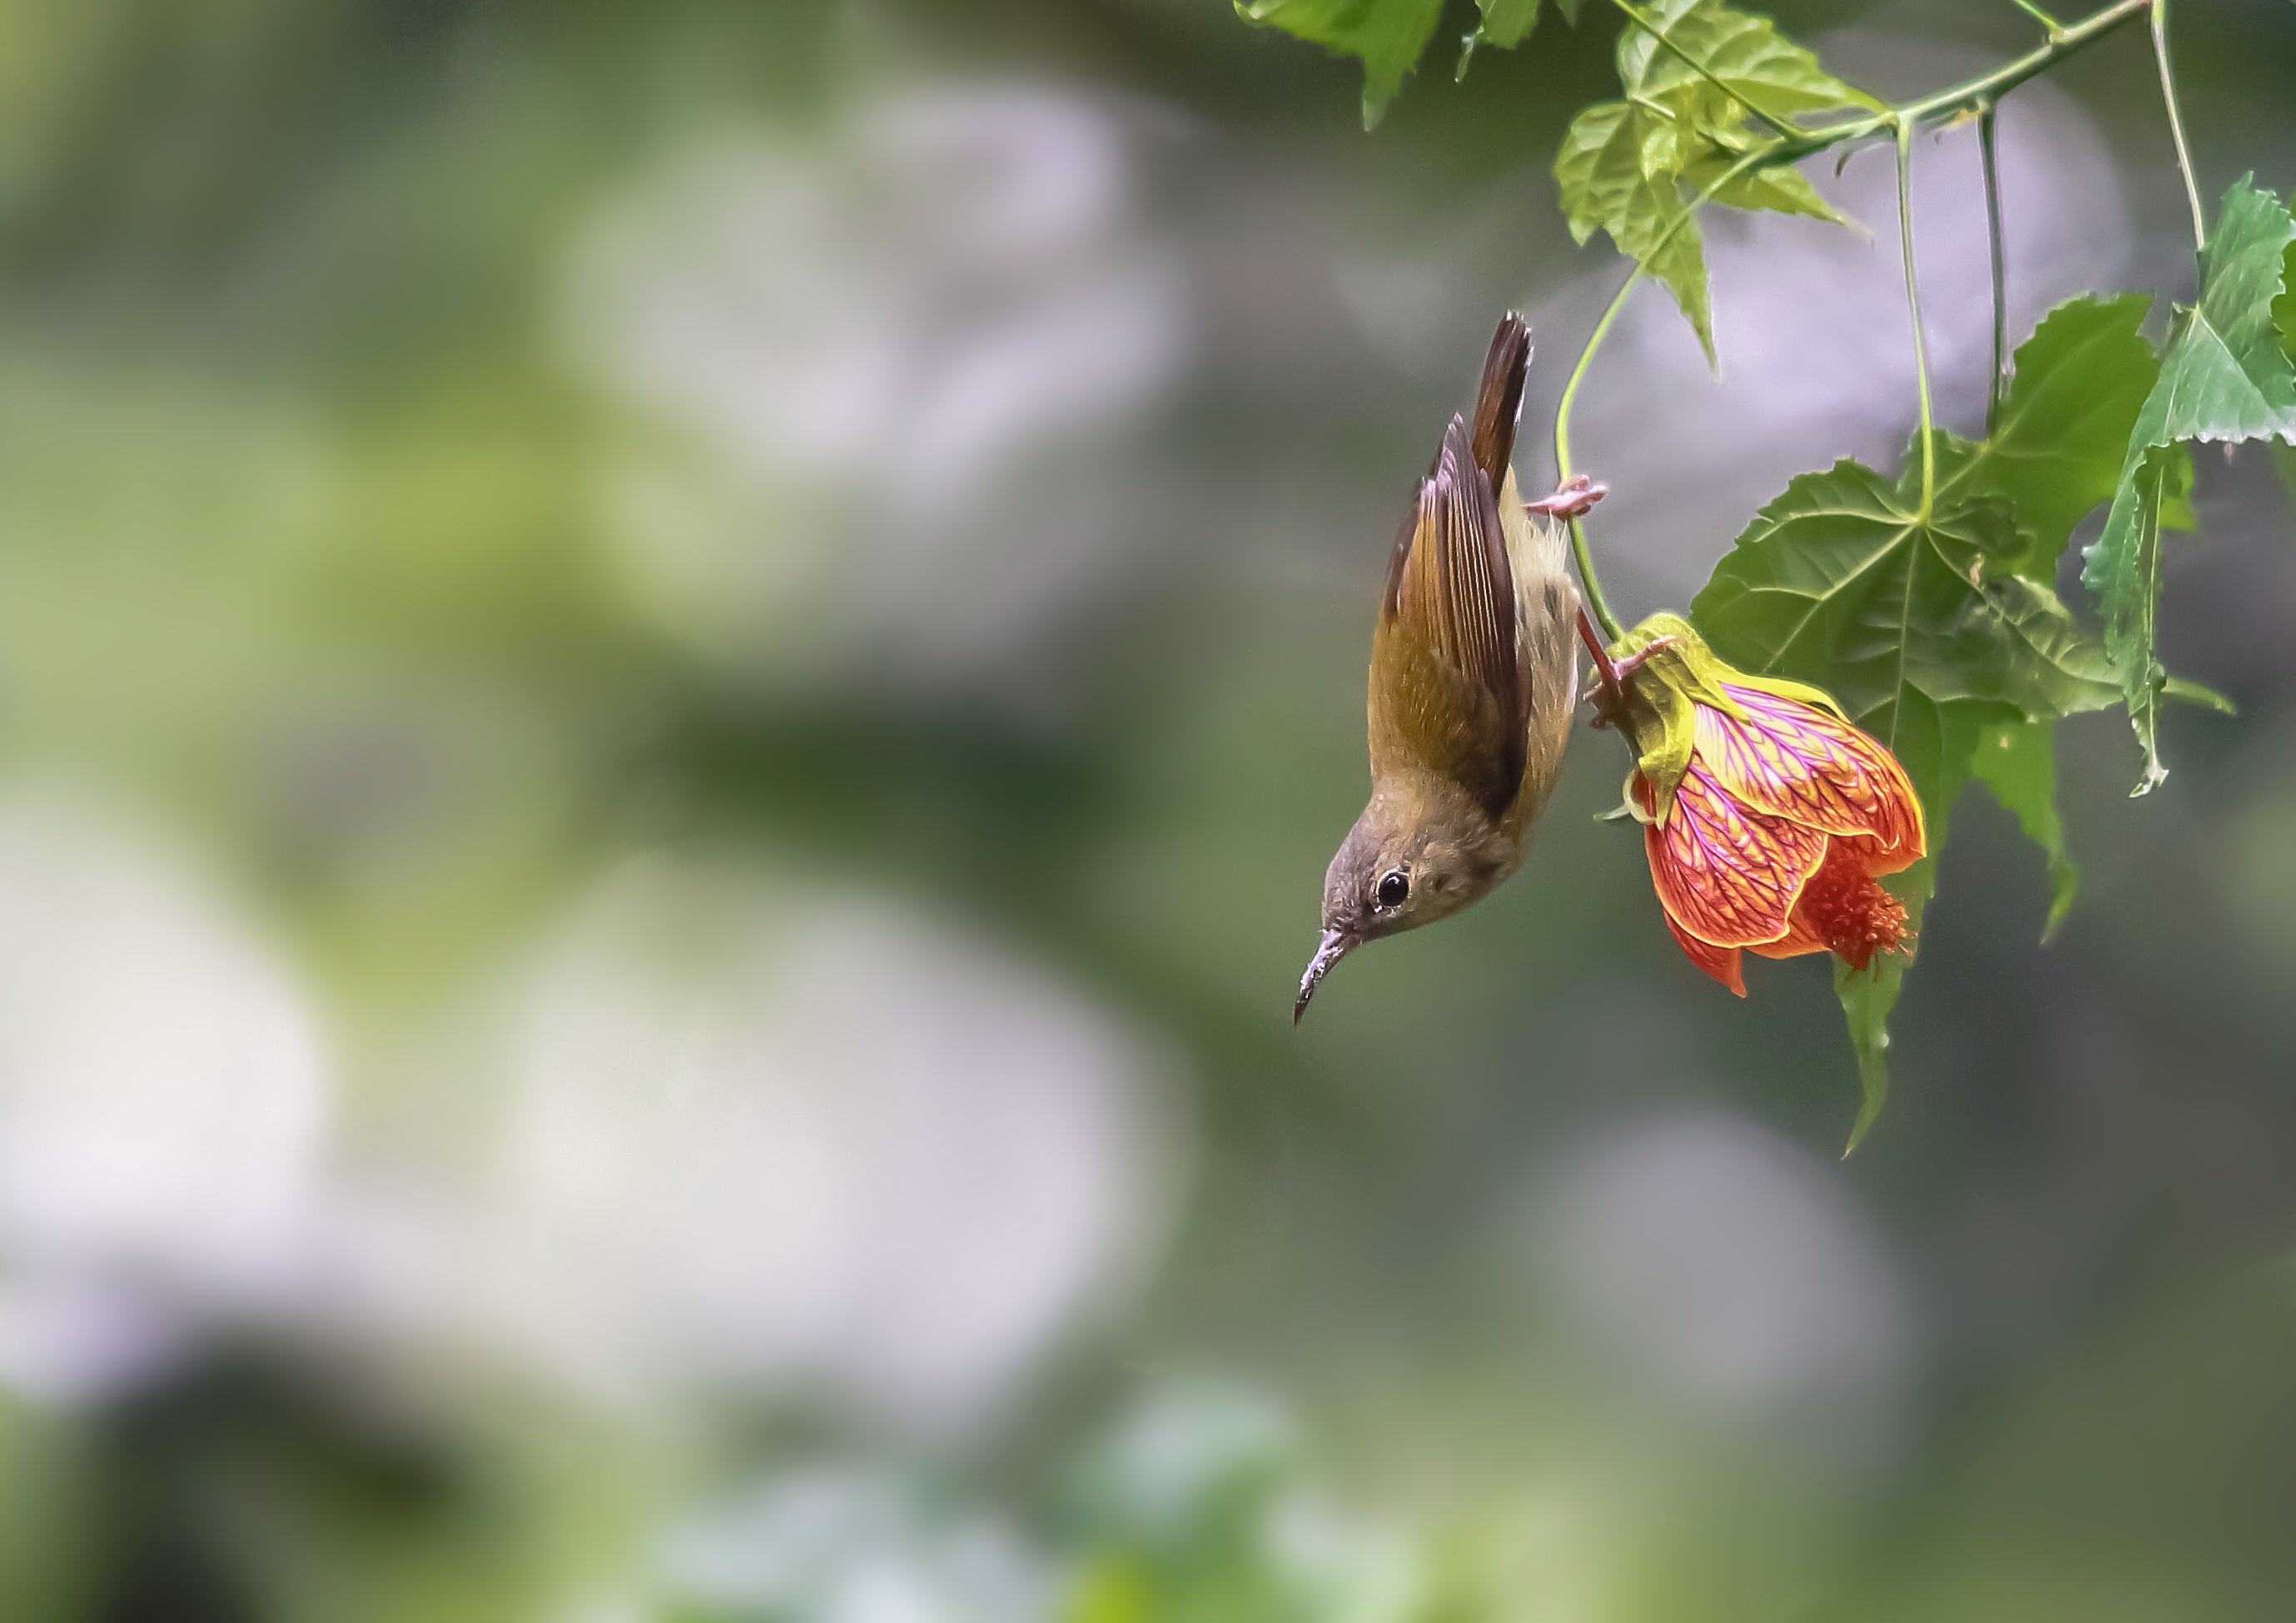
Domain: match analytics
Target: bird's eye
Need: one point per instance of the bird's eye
(1394, 888)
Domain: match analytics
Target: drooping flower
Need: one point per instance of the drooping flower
(1767, 815)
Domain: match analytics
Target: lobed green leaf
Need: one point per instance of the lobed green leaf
(2055, 451)
(1617, 169)
(1843, 582)
(1694, 70)
(2226, 377)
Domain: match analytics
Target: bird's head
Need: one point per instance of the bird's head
(1417, 855)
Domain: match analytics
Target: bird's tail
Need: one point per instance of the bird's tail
(1499, 401)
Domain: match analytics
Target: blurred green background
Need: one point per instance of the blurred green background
(674, 682)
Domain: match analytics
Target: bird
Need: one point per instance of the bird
(1474, 674)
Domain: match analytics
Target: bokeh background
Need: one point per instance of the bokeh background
(674, 682)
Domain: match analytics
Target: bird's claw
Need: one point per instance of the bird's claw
(1633, 662)
(1600, 692)
(1573, 498)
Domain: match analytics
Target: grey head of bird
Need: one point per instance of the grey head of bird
(1420, 851)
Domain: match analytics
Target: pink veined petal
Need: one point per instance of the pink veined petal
(1728, 875)
(1794, 760)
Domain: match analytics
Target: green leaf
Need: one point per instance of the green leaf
(1934, 745)
(2226, 378)
(1387, 35)
(1506, 23)
(2017, 761)
(1782, 190)
(1617, 170)
(1623, 165)
(1922, 629)
(2284, 308)
(2055, 451)
(2177, 490)
(1738, 52)
(1867, 1000)
(1841, 583)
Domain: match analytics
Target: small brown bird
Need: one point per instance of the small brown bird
(1474, 676)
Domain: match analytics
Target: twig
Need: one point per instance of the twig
(2160, 9)
(1913, 304)
(2000, 384)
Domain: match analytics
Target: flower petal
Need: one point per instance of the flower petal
(1726, 874)
(1795, 761)
(1797, 940)
(1724, 964)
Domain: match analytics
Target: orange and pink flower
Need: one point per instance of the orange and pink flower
(1773, 830)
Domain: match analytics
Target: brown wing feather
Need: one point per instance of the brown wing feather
(1449, 691)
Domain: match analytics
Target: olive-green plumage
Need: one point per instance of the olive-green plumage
(1473, 679)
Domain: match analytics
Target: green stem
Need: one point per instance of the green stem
(1913, 304)
(1999, 383)
(2160, 11)
(2041, 17)
(1596, 601)
(1636, 16)
(1973, 92)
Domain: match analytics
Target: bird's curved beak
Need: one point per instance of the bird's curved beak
(1336, 944)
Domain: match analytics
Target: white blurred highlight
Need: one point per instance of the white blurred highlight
(764, 1132)
(879, 338)
(849, 1545)
(164, 1101)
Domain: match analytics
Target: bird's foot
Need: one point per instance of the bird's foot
(1633, 662)
(1613, 672)
(1573, 498)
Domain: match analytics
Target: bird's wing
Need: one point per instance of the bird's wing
(1449, 691)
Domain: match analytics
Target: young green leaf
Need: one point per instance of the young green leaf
(1387, 35)
(1616, 170)
(2017, 761)
(1672, 44)
(2226, 378)
(1782, 190)
(1623, 165)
